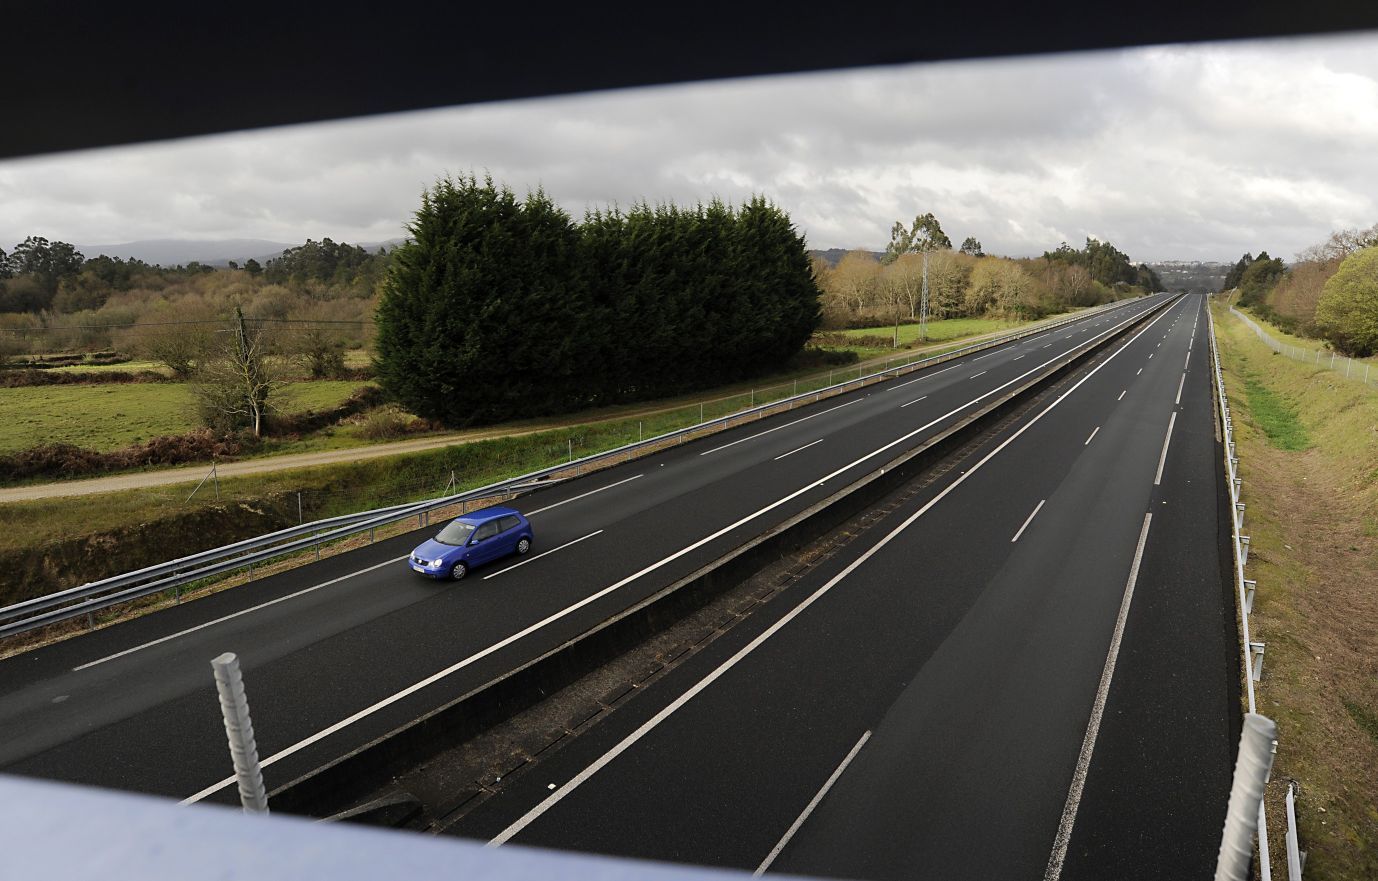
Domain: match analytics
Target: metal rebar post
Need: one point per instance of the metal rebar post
(1256, 745)
(239, 729)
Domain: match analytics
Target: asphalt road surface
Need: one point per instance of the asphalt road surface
(1028, 672)
(974, 655)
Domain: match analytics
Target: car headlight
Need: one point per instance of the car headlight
(438, 562)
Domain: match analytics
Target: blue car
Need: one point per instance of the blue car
(472, 540)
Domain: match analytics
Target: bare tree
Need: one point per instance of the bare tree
(234, 387)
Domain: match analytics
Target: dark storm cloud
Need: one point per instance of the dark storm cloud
(1188, 152)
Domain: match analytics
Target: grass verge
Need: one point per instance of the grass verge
(1308, 449)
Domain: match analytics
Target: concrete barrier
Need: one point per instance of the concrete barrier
(358, 774)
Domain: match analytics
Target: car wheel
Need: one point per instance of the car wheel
(459, 571)
(523, 546)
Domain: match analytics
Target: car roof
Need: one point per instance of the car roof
(483, 515)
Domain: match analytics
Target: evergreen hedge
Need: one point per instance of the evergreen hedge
(500, 308)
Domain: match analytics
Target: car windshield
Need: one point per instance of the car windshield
(455, 534)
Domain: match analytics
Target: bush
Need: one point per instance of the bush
(384, 423)
(1347, 314)
(65, 460)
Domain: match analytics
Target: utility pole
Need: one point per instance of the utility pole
(923, 302)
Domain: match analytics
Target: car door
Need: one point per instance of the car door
(485, 543)
(511, 531)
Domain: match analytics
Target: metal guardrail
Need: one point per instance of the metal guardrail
(1359, 370)
(1245, 587)
(98, 595)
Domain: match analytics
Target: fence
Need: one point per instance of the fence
(173, 576)
(1361, 370)
(1246, 588)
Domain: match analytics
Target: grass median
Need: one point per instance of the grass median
(1308, 449)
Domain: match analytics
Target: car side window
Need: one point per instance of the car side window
(487, 530)
(508, 522)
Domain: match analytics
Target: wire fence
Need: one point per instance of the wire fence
(1358, 370)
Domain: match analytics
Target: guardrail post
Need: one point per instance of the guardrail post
(1250, 585)
(1296, 857)
(1257, 742)
(1243, 550)
(1256, 650)
(239, 730)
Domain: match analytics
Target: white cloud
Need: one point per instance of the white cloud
(1180, 151)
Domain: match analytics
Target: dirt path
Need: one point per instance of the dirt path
(194, 473)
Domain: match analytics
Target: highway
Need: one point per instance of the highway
(997, 605)
(339, 652)
(1028, 671)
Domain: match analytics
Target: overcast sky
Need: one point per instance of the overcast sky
(1198, 152)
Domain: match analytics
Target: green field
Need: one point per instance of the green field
(107, 417)
(938, 331)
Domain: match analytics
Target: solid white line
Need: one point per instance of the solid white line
(1180, 383)
(1093, 434)
(578, 497)
(792, 452)
(979, 357)
(808, 809)
(1088, 744)
(982, 373)
(225, 618)
(1162, 460)
(538, 556)
(915, 401)
(593, 597)
(1122, 394)
(926, 376)
(786, 425)
(551, 800)
(1036, 509)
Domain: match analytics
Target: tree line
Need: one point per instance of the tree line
(864, 290)
(500, 307)
(1330, 292)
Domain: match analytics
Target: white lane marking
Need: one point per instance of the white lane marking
(555, 616)
(979, 357)
(809, 808)
(792, 452)
(558, 795)
(1162, 460)
(786, 425)
(1093, 434)
(1188, 361)
(1122, 394)
(1016, 359)
(915, 401)
(1031, 516)
(1150, 356)
(538, 556)
(1048, 346)
(982, 373)
(926, 376)
(1088, 744)
(1137, 372)
(581, 496)
(224, 618)
(1181, 382)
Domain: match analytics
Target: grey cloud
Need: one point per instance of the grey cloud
(1187, 152)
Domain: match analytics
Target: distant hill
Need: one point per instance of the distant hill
(212, 252)
(1192, 276)
(833, 255)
